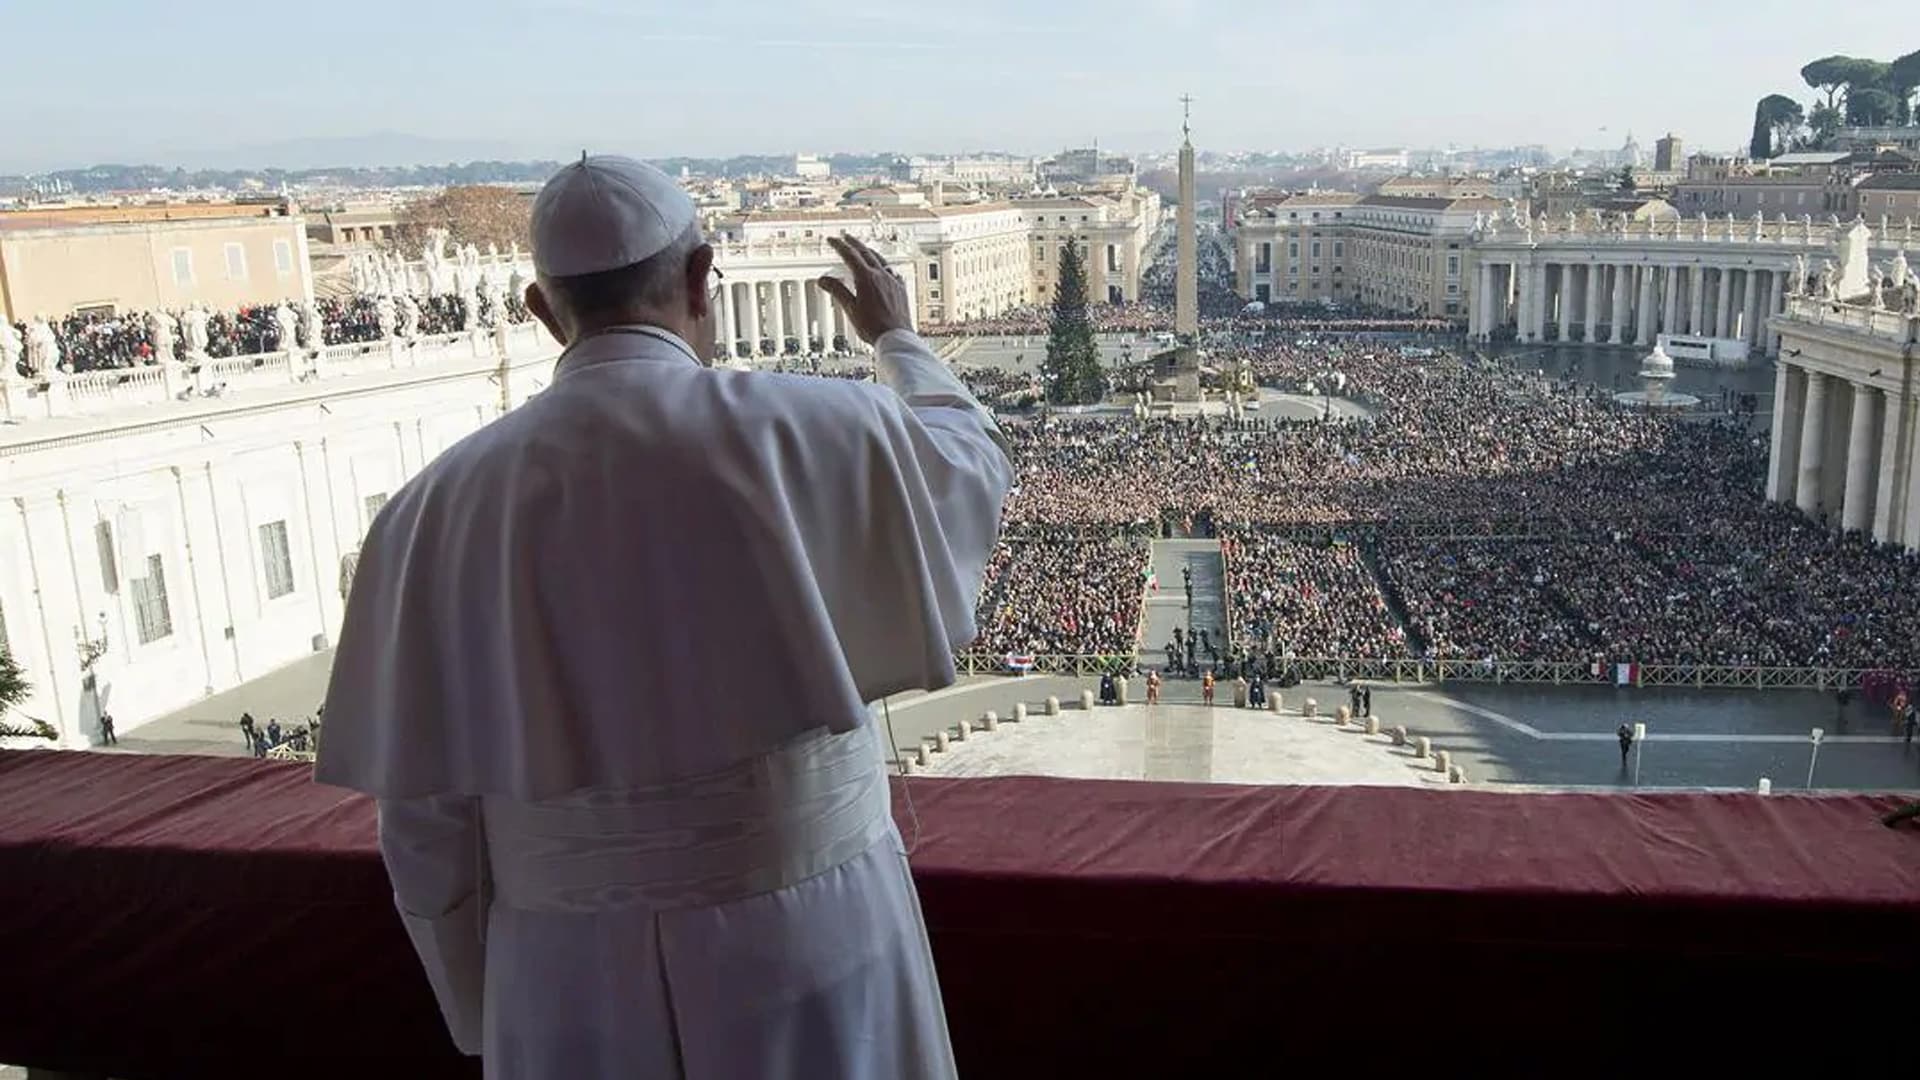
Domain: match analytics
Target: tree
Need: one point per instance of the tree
(1775, 118)
(1869, 106)
(477, 214)
(1903, 76)
(1072, 369)
(1823, 123)
(1828, 74)
(1626, 183)
(13, 682)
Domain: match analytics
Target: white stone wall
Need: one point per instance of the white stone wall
(85, 506)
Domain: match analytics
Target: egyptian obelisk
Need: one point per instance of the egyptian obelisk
(1186, 290)
(1178, 369)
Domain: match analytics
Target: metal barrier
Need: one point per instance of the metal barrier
(1531, 672)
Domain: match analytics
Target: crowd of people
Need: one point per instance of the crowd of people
(106, 341)
(1474, 514)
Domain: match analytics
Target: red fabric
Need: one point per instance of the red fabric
(207, 918)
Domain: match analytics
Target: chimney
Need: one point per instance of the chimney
(939, 193)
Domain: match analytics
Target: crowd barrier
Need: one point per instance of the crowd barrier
(1533, 672)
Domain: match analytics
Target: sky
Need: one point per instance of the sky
(239, 82)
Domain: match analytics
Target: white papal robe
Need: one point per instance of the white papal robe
(605, 666)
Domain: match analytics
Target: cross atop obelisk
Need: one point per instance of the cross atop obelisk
(1186, 117)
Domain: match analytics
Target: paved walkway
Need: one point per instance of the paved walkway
(1168, 608)
(1183, 742)
(212, 724)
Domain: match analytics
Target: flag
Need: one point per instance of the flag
(1627, 674)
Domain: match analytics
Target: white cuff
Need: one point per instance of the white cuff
(455, 960)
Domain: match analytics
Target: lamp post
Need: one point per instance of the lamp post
(1639, 747)
(1813, 756)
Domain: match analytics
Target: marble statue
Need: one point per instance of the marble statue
(193, 327)
(409, 316)
(1729, 225)
(1806, 225)
(1833, 221)
(496, 297)
(1876, 296)
(436, 262)
(289, 327)
(1797, 277)
(385, 316)
(43, 348)
(1759, 226)
(362, 279)
(162, 332)
(12, 347)
(1910, 297)
(1829, 278)
(1700, 232)
(1902, 272)
(313, 328)
(493, 251)
(517, 284)
(1573, 222)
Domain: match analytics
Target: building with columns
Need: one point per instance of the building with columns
(770, 303)
(1846, 418)
(1624, 283)
(1114, 231)
(1400, 253)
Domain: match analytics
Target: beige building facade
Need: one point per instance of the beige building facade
(1399, 253)
(1114, 233)
(56, 262)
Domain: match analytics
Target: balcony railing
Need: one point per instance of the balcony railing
(1803, 232)
(1893, 326)
(218, 918)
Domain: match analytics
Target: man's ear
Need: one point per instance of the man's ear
(699, 265)
(541, 309)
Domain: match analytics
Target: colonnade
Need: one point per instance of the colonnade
(1843, 452)
(778, 316)
(1626, 302)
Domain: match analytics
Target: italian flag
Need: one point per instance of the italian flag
(1153, 580)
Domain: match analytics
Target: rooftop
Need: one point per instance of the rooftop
(67, 217)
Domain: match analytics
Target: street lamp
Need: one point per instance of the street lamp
(1639, 747)
(1813, 757)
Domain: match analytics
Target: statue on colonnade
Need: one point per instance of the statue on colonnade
(1797, 277)
(409, 316)
(385, 316)
(289, 326)
(1759, 226)
(162, 332)
(193, 327)
(43, 349)
(12, 347)
(313, 328)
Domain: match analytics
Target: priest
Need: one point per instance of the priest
(614, 856)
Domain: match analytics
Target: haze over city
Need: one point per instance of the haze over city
(381, 84)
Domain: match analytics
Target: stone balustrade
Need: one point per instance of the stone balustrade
(120, 390)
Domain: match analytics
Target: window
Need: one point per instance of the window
(1339, 248)
(373, 505)
(236, 262)
(282, 257)
(182, 266)
(1293, 249)
(109, 564)
(276, 559)
(1316, 249)
(1453, 264)
(933, 271)
(152, 618)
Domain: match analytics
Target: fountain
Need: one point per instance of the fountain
(1656, 372)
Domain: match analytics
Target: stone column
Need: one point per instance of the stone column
(1776, 290)
(1523, 300)
(1813, 446)
(1723, 310)
(1856, 506)
(1783, 457)
(1888, 472)
(1590, 314)
(729, 329)
(1564, 324)
(800, 313)
(1697, 301)
(777, 315)
(1482, 301)
(1622, 279)
(753, 318)
(1645, 329)
(1670, 305)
